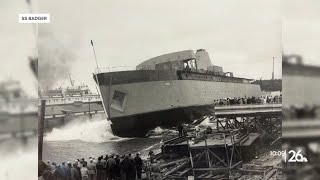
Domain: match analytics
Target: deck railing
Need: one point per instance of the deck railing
(115, 69)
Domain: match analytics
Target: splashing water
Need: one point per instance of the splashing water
(158, 130)
(206, 122)
(88, 131)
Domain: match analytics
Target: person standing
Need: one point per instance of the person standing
(84, 172)
(68, 171)
(123, 167)
(64, 170)
(180, 128)
(75, 175)
(105, 174)
(117, 167)
(110, 167)
(139, 163)
(131, 171)
(92, 169)
(185, 131)
(155, 169)
(99, 167)
(151, 155)
(58, 173)
(78, 168)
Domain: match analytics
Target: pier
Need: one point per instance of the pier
(241, 134)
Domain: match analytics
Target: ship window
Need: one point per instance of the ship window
(118, 100)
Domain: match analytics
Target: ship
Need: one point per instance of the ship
(70, 100)
(18, 110)
(166, 91)
(297, 77)
(73, 95)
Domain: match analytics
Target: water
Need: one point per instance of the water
(92, 139)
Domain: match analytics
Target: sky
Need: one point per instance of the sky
(241, 36)
(301, 28)
(18, 42)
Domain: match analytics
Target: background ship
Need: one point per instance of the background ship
(166, 91)
(18, 111)
(71, 101)
(75, 95)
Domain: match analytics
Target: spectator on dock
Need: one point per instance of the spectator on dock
(75, 175)
(139, 163)
(68, 171)
(92, 169)
(184, 131)
(151, 155)
(123, 167)
(57, 173)
(84, 172)
(64, 168)
(46, 174)
(53, 166)
(131, 171)
(117, 167)
(99, 167)
(155, 170)
(77, 162)
(111, 163)
(105, 166)
(180, 129)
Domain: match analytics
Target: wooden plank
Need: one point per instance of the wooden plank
(203, 175)
(270, 174)
(184, 172)
(211, 169)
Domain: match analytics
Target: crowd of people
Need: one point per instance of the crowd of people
(249, 100)
(113, 167)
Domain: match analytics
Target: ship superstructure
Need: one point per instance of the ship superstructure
(167, 90)
(69, 95)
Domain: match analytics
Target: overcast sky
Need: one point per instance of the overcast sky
(301, 29)
(241, 36)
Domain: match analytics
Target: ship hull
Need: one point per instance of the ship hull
(139, 125)
(136, 103)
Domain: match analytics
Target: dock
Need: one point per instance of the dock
(226, 152)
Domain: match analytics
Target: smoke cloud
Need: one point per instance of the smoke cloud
(56, 55)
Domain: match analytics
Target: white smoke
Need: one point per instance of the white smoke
(87, 131)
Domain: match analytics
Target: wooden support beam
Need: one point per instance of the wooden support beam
(173, 162)
(218, 158)
(236, 164)
(41, 128)
(211, 169)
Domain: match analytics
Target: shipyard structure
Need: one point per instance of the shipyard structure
(166, 91)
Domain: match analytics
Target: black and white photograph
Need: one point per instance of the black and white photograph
(161, 89)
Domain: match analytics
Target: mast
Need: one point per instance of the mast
(107, 111)
(71, 81)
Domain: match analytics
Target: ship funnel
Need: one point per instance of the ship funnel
(203, 59)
